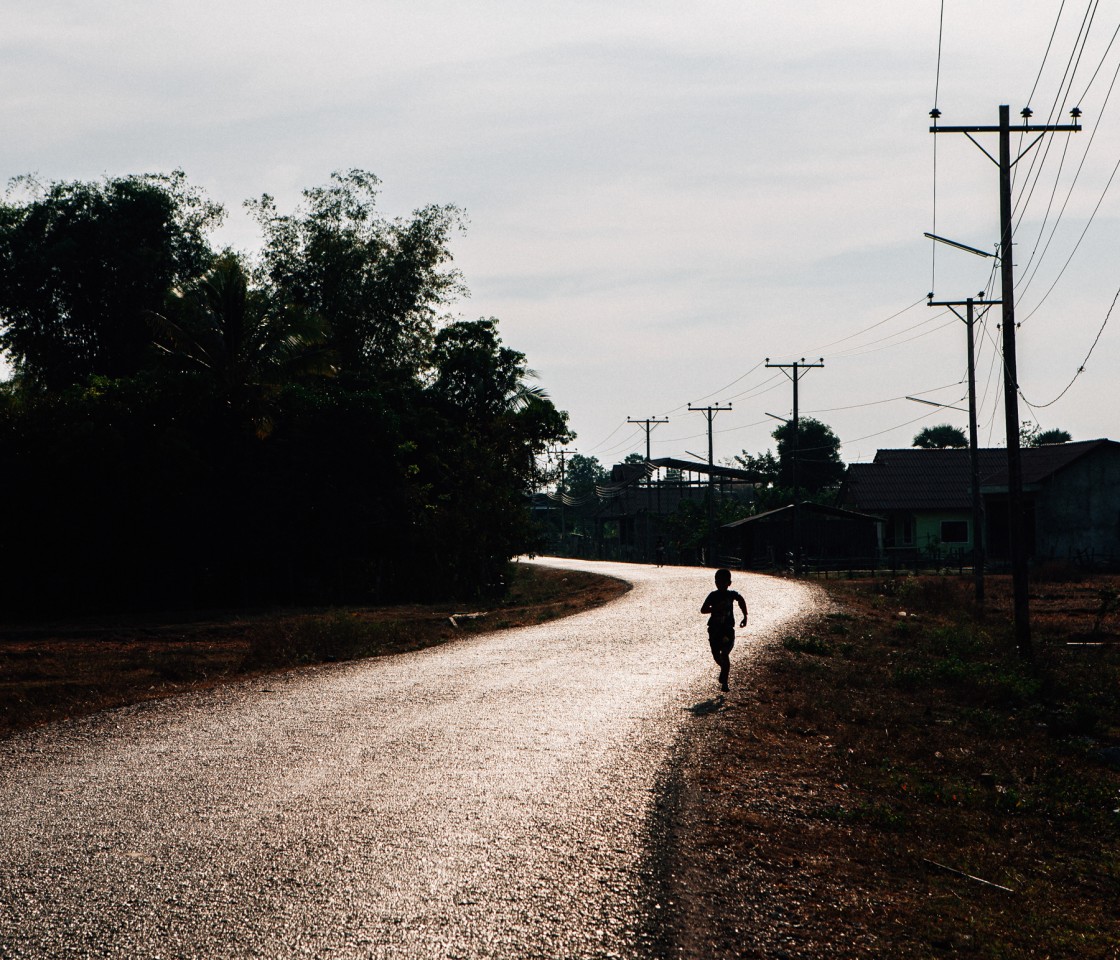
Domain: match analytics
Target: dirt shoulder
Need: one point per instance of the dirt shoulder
(50, 671)
(892, 781)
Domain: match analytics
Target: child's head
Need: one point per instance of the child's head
(723, 579)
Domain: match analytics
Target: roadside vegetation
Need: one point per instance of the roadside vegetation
(894, 781)
(309, 423)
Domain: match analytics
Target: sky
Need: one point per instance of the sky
(661, 196)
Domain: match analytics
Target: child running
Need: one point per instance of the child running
(720, 606)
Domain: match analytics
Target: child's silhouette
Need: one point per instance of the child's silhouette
(720, 606)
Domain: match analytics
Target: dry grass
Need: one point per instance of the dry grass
(893, 755)
(52, 671)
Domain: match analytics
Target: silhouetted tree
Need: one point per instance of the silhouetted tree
(764, 468)
(83, 265)
(379, 284)
(1032, 435)
(245, 343)
(190, 450)
(939, 437)
(818, 455)
(582, 475)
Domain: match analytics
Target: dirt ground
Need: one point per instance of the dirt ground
(894, 782)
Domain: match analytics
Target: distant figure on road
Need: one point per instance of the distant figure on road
(720, 607)
(660, 551)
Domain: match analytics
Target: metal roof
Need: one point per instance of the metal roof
(919, 479)
(695, 466)
(808, 507)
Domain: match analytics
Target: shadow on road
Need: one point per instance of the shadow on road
(705, 707)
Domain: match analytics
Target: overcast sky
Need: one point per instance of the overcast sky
(660, 195)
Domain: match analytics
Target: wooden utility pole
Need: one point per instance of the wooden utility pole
(649, 423)
(1016, 513)
(710, 413)
(973, 448)
(795, 371)
(562, 494)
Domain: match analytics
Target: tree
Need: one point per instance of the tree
(379, 284)
(405, 479)
(939, 437)
(486, 426)
(818, 456)
(83, 266)
(582, 475)
(245, 344)
(1032, 435)
(764, 468)
(1052, 436)
(479, 376)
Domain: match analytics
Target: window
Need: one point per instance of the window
(900, 530)
(954, 531)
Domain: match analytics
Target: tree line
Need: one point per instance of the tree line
(194, 426)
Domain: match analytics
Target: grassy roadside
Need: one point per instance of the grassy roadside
(893, 781)
(52, 671)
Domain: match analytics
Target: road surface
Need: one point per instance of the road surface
(493, 797)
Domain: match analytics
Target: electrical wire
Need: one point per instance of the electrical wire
(860, 333)
(887, 346)
(1104, 56)
(1080, 101)
(609, 435)
(1069, 193)
(876, 403)
(1046, 55)
(1073, 252)
(897, 426)
(1058, 104)
(1081, 368)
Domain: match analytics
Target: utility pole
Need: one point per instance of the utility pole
(795, 371)
(710, 413)
(973, 448)
(1016, 513)
(562, 454)
(649, 423)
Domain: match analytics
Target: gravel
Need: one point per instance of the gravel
(501, 796)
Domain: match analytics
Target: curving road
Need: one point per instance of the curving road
(488, 798)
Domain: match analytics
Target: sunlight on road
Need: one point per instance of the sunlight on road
(490, 797)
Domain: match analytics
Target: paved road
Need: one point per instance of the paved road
(488, 798)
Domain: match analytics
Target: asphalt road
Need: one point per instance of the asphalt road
(494, 797)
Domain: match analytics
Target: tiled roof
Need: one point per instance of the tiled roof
(917, 479)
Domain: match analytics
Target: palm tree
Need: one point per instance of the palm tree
(249, 345)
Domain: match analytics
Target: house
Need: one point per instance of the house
(826, 534)
(1071, 500)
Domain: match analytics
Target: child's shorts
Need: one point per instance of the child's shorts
(721, 641)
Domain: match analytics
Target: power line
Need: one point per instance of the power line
(1104, 56)
(1046, 55)
(877, 403)
(860, 352)
(1073, 252)
(878, 323)
(1073, 184)
(1081, 368)
(1059, 102)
